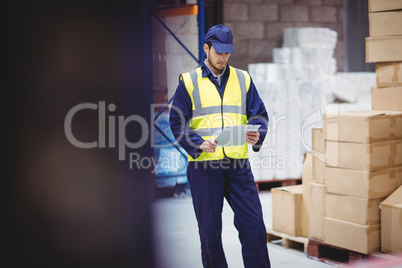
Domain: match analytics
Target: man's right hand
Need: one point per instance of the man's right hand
(209, 146)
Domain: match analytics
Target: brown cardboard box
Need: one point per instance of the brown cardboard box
(391, 223)
(317, 211)
(385, 23)
(319, 140)
(389, 74)
(384, 49)
(372, 156)
(356, 237)
(384, 5)
(363, 183)
(386, 98)
(353, 209)
(287, 209)
(363, 126)
(305, 219)
(319, 168)
(306, 180)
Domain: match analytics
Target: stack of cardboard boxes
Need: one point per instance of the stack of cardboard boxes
(384, 47)
(315, 188)
(363, 158)
(351, 193)
(357, 156)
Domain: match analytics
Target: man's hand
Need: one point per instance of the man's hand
(209, 146)
(252, 137)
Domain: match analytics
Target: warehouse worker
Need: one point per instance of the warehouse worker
(207, 99)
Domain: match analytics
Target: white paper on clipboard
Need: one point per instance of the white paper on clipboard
(235, 135)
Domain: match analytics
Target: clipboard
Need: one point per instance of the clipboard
(235, 135)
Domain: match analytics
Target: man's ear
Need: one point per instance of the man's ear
(206, 48)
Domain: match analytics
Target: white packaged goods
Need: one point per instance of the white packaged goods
(281, 55)
(344, 90)
(309, 37)
(363, 81)
(302, 55)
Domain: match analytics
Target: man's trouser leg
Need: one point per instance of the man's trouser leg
(207, 191)
(242, 195)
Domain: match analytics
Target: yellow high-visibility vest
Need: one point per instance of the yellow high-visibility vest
(211, 112)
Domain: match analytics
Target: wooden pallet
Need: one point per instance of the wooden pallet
(318, 250)
(268, 184)
(288, 241)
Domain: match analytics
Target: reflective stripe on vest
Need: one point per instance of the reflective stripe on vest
(211, 112)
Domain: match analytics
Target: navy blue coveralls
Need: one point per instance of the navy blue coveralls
(233, 180)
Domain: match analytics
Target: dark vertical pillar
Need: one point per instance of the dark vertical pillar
(201, 29)
(356, 29)
(213, 13)
(64, 205)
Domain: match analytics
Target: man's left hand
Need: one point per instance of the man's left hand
(252, 137)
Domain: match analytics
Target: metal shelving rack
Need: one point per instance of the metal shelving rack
(167, 10)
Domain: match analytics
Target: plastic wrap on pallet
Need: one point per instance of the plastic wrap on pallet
(309, 37)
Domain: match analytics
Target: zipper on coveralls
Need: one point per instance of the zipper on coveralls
(223, 125)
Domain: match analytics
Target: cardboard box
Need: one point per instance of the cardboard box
(384, 49)
(386, 98)
(318, 140)
(389, 74)
(356, 237)
(384, 5)
(363, 126)
(305, 219)
(353, 209)
(363, 183)
(391, 223)
(385, 23)
(319, 168)
(317, 211)
(306, 180)
(287, 210)
(372, 156)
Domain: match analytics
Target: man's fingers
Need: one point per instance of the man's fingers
(252, 134)
(212, 143)
(209, 146)
(252, 137)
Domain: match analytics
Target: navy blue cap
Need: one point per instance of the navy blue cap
(221, 38)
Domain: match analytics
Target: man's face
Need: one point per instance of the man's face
(216, 60)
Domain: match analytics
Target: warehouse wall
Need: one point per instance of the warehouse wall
(258, 25)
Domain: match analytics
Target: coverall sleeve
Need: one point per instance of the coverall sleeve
(257, 114)
(180, 115)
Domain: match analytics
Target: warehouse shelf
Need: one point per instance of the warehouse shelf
(163, 11)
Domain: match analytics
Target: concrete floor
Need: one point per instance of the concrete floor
(177, 241)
